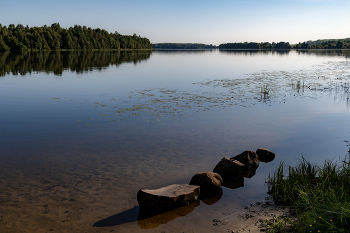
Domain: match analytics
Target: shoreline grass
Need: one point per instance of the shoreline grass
(319, 195)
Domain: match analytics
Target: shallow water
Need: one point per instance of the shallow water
(82, 132)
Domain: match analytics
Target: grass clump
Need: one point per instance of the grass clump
(265, 90)
(277, 224)
(319, 194)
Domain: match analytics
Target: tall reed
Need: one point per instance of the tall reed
(319, 194)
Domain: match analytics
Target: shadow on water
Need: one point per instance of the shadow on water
(118, 219)
(146, 219)
(59, 61)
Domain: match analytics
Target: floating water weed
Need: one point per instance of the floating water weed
(257, 88)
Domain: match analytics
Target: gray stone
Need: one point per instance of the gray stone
(209, 182)
(249, 158)
(168, 197)
(229, 168)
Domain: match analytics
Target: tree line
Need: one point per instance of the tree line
(319, 44)
(182, 46)
(325, 44)
(56, 62)
(54, 37)
(255, 45)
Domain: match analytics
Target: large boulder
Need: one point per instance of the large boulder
(249, 173)
(168, 197)
(229, 168)
(209, 182)
(265, 155)
(249, 158)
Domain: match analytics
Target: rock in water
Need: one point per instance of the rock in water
(249, 158)
(229, 168)
(168, 197)
(209, 182)
(265, 155)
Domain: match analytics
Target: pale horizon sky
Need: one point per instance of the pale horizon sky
(207, 22)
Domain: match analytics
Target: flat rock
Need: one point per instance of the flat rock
(229, 168)
(265, 155)
(249, 158)
(209, 182)
(168, 197)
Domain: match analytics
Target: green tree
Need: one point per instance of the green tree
(37, 41)
(3, 45)
(339, 44)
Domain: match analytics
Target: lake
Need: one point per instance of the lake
(82, 132)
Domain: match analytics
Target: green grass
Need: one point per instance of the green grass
(319, 194)
(277, 224)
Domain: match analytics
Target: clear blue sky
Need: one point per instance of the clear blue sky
(197, 21)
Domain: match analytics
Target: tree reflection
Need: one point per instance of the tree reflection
(57, 61)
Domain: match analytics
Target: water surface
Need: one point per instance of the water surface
(82, 132)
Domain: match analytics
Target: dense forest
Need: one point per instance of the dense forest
(183, 46)
(254, 45)
(319, 44)
(56, 62)
(20, 38)
(325, 44)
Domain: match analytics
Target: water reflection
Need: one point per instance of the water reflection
(57, 61)
(325, 52)
(150, 220)
(183, 51)
(252, 52)
(310, 52)
(213, 199)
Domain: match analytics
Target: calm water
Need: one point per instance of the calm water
(82, 132)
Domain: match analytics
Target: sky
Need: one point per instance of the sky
(196, 21)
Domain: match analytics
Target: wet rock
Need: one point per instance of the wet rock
(249, 158)
(265, 155)
(209, 182)
(249, 173)
(229, 168)
(168, 197)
